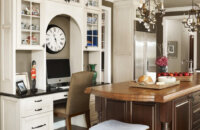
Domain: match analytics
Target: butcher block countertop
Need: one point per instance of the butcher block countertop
(124, 91)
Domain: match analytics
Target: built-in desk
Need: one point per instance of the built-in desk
(30, 111)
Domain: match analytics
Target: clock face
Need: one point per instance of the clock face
(55, 39)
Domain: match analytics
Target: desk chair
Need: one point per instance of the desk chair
(117, 125)
(78, 101)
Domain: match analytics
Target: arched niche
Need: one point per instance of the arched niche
(76, 30)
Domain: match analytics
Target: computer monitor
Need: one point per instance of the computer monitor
(58, 71)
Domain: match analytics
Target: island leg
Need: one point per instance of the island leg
(165, 126)
(166, 115)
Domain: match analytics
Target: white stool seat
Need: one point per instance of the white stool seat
(117, 125)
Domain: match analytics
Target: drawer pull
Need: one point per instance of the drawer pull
(65, 95)
(38, 100)
(38, 109)
(182, 104)
(38, 126)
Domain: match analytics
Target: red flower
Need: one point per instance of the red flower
(162, 61)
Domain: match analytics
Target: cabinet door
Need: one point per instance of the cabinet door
(182, 114)
(93, 35)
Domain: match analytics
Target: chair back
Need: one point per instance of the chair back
(78, 101)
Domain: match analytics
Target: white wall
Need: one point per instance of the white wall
(123, 42)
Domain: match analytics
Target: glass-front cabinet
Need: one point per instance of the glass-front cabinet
(93, 31)
(30, 26)
(94, 4)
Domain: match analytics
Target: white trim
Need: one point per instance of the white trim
(110, 0)
(179, 17)
(175, 9)
(107, 53)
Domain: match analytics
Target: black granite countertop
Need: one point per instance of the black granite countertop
(41, 92)
(33, 94)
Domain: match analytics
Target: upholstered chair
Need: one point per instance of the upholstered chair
(78, 101)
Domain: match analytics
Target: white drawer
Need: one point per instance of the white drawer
(36, 101)
(36, 110)
(35, 105)
(39, 122)
(59, 96)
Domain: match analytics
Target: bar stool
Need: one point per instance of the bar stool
(117, 125)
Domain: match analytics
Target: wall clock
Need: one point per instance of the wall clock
(55, 39)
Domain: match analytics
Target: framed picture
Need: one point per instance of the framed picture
(172, 49)
(23, 77)
(21, 88)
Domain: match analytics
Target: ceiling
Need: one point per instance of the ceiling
(179, 3)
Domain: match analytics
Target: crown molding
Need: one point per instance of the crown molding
(175, 9)
(110, 0)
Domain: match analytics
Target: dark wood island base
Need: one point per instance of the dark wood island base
(173, 115)
(175, 108)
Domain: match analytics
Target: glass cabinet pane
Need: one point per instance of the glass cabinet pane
(94, 3)
(92, 30)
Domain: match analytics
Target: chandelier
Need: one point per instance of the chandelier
(193, 20)
(147, 15)
(159, 6)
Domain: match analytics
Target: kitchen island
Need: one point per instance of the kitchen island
(174, 108)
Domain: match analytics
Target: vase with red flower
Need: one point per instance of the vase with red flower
(162, 62)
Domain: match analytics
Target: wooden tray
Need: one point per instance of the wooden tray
(184, 78)
(153, 86)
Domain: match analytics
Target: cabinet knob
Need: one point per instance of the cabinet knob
(43, 45)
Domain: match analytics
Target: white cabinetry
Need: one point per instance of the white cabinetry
(27, 114)
(29, 25)
(18, 48)
(23, 31)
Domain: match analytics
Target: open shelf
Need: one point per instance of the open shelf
(23, 63)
